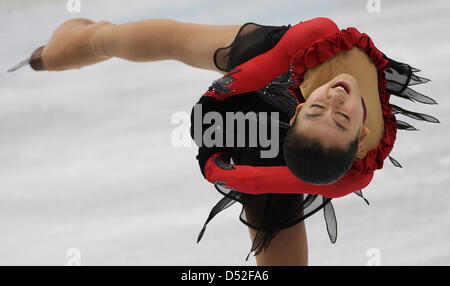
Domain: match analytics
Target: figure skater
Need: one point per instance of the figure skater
(330, 86)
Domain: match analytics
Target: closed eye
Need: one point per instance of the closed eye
(345, 116)
(340, 113)
(337, 123)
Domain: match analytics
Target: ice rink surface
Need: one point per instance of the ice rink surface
(86, 159)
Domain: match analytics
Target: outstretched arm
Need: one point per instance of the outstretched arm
(80, 42)
(261, 70)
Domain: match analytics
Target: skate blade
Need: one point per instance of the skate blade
(19, 65)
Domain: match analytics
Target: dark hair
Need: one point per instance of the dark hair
(312, 163)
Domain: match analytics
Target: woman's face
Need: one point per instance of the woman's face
(333, 113)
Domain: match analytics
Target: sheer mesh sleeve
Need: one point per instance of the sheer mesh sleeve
(251, 40)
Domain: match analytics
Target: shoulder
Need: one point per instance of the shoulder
(305, 33)
(317, 25)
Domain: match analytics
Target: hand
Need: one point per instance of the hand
(73, 45)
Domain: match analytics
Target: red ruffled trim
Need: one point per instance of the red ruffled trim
(346, 39)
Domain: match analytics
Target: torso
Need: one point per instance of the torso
(251, 102)
(356, 63)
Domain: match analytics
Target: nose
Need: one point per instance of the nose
(335, 98)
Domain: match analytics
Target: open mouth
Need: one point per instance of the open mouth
(342, 85)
